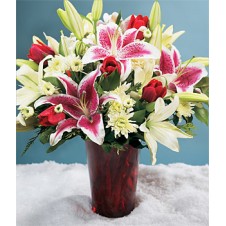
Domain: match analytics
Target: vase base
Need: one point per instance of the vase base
(115, 215)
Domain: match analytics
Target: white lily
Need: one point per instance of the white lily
(156, 129)
(143, 70)
(33, 85)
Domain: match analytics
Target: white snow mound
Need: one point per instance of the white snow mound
(53, 194)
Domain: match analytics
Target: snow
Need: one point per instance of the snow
(53, 194)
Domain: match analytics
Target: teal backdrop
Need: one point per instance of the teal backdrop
(37, 16)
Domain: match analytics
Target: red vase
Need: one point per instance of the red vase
(113, 179)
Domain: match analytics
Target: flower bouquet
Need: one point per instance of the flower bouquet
(118, 83)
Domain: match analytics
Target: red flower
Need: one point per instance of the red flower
(137, 22)
(109, 65)
(153, 90)
(50, 118)
(39, 51)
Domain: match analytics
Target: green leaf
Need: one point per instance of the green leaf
(139, 116)
(53, 148)
(202, 114)
(175, 119)
(31, 64)
(30, 142)
(203, 84)
(111, 82)
(44, 136)
(106, 147)
(54, 81)
(119, 18)
(150, 107)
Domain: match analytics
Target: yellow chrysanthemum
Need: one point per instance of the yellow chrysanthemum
(185, 109)
(57, 63)
(121, 124)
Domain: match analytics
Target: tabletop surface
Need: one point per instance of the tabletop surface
(53, 194)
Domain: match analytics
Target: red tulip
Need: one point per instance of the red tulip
(153, 90)
(39, 51)
(137, 22)
(49, 117)
(109, 65)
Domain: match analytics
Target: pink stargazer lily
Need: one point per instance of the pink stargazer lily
(111, 42)
(81, 102)
(181, 78)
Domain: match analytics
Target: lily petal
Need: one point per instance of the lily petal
(94, 54)
(166, 63)
(26, 96)
(129, 36)
(108, 97)
(138, 50)
(27, 77)
(86, 88)
(70, 86)
(190, 76)
(176, 131)
(163, 112)
(126, 69)
(71, 105)
(64, 126)
(167, 134)
(152, 145)
(108, 32)
(93, 128)
(176, 56)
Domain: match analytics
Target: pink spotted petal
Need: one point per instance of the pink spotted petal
(107, 32)
(87, 91)
(138, 50)
(93, 128)
(70, 103)
(176, 56)
(166, 63)
(189, 76)
(70, 86)
(94, 54)
(129, 36)
(108, 97)
(126, 69)
(67, 125)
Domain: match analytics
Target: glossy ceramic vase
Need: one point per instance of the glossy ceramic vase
(113, 179)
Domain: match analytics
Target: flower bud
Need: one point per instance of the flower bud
(80, 48)
(74, 19)
(97, 9)
(155, 16)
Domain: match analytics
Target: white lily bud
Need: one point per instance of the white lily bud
(80, 48)
(74, 19)
(97, 9)
(155, 16)
(156, 38)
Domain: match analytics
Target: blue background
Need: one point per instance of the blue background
(36, 17)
